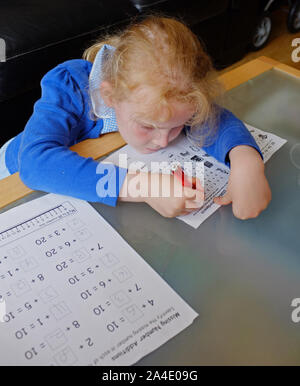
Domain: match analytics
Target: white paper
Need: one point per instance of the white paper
(73, 292)
(214, 176)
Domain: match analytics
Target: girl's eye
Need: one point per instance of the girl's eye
(147, 128)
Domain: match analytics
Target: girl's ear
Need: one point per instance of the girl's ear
(106, 93)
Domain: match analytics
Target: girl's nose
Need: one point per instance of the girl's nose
(162, 139)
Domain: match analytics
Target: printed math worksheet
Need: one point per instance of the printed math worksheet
(73, 292)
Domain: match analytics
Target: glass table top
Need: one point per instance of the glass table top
(240, 276)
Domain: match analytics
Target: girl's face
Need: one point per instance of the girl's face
(149, 136)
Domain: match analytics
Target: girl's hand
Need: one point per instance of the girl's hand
(163, 192)
(248, 188)
(172, 206)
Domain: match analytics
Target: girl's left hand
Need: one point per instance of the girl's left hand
(247, 189)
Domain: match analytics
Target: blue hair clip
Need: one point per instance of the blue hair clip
(95, 79)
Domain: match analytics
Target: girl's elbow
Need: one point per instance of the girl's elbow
(27, 172)
(24, 175)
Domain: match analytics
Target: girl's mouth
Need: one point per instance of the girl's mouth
(147, 148)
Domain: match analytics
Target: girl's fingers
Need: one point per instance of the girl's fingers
(223, 200)
(200, 196)
(193, 204)
(193, 194)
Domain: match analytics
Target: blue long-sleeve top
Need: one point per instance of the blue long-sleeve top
(61, 118)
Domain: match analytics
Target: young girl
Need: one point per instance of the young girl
(148, 82)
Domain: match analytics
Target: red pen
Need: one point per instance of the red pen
(179, 173)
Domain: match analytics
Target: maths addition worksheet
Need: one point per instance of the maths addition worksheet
(73, 292)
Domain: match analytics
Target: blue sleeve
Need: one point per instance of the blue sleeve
(45, 161)
(231, 132)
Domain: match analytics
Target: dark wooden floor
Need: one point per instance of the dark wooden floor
(279, 46)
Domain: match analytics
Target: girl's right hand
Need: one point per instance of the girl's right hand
(180, 201)
(163, 192)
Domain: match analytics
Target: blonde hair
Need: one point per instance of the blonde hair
(163, 53)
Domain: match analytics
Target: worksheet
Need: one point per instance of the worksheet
(73, 292)
(195, 162)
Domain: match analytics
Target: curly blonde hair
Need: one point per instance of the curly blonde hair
(163, 53)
